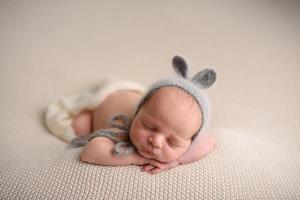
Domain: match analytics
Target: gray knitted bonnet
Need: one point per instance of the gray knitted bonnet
(193, 86)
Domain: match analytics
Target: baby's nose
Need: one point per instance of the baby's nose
(156, 140)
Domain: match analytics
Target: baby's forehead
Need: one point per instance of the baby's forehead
(172, 93)
(182, 102)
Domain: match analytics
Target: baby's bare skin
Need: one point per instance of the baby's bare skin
(120, 101)
(125, 102)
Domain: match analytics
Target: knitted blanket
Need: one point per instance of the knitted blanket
(50, 49)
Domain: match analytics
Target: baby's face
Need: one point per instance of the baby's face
(164, 126)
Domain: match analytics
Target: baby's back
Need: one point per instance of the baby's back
(120, 101)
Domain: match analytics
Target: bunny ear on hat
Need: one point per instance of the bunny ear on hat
(180, 66)
(205, 78)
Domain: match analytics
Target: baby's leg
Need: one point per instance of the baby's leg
(83, 123)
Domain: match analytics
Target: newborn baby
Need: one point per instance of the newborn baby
(157, 130)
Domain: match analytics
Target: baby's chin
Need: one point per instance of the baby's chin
(153, 156)
(145, 154)
(164, 160)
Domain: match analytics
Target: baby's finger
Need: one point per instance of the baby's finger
(155, 171)
(148, 168)
(156, 164)
(144, 167)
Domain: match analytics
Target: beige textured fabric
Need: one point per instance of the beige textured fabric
(50, 49)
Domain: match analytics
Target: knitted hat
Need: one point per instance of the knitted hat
(194, 87)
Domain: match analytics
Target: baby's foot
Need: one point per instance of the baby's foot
(83, 123)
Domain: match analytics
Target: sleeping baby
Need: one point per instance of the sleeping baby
(121, 123)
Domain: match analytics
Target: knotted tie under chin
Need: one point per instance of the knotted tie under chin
(119, 135)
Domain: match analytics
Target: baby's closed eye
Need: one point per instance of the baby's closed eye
(147, 126)
(172, 143)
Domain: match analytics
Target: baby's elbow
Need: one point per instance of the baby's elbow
(91, 157)
(87, 153)
(84, 156)
(97, 151)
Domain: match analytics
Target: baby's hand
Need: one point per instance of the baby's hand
(155, 166)
(140, 160)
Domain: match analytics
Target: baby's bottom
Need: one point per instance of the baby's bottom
(120, 101)
(59, 116)
(83, 123)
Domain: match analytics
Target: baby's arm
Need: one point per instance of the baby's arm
(202, 146)
(99, 151)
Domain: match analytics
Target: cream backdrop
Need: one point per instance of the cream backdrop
(53, 48)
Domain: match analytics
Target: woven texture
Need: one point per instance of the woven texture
(241, 167)
(51, 49)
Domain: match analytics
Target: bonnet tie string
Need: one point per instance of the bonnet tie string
(119, 134)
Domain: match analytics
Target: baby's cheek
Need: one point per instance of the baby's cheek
(170, 155)
(136, 135)
(174, 154)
